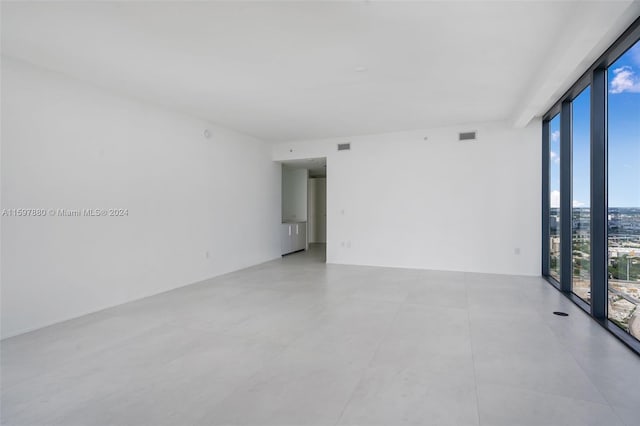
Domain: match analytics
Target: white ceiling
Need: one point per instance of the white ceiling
(287, 71)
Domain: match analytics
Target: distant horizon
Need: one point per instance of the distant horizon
(588, 207)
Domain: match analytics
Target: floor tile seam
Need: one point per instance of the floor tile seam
(146, 369)
(571, 355)
(615, 409)
(384, 335)
(437, 306)
(299, 334)
(136, 335)
(120, 341)
(547, 393)
(247, 381)
(120, 344)
(567, 348)
(586, 373)
(250, 379)
(485, 382)
(618, 415)
(70, 360)
(58, 416)
(227, 327)
(374, 300)
(473, 356)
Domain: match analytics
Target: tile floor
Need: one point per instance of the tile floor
(298, 342)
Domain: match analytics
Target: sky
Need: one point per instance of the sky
(624, 138)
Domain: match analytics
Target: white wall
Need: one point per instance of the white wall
(294, 194)
(317, 194)
(399, 200)
(197, 207)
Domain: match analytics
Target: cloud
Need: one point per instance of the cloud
(554, 157)
(555, 199)
(624, 80)
(555, 136)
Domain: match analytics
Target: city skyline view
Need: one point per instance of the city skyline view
(623, 193)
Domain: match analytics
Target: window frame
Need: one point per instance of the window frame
(596, 77)
(546, 199)
(572, 181)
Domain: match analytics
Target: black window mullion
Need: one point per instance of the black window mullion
(566, 204)
(545, 198)
(599, 254)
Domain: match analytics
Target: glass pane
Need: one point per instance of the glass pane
(581, 214)
(554, 188)
(624, 191)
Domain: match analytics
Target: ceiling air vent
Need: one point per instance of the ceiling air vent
(344, 146)
(467, 136)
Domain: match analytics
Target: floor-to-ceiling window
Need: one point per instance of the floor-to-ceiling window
(597, 181)
(581, 184)
(623, 117)
(554, 196)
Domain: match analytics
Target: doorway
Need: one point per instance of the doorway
(304, 207)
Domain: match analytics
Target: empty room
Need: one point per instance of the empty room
(296, 213)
